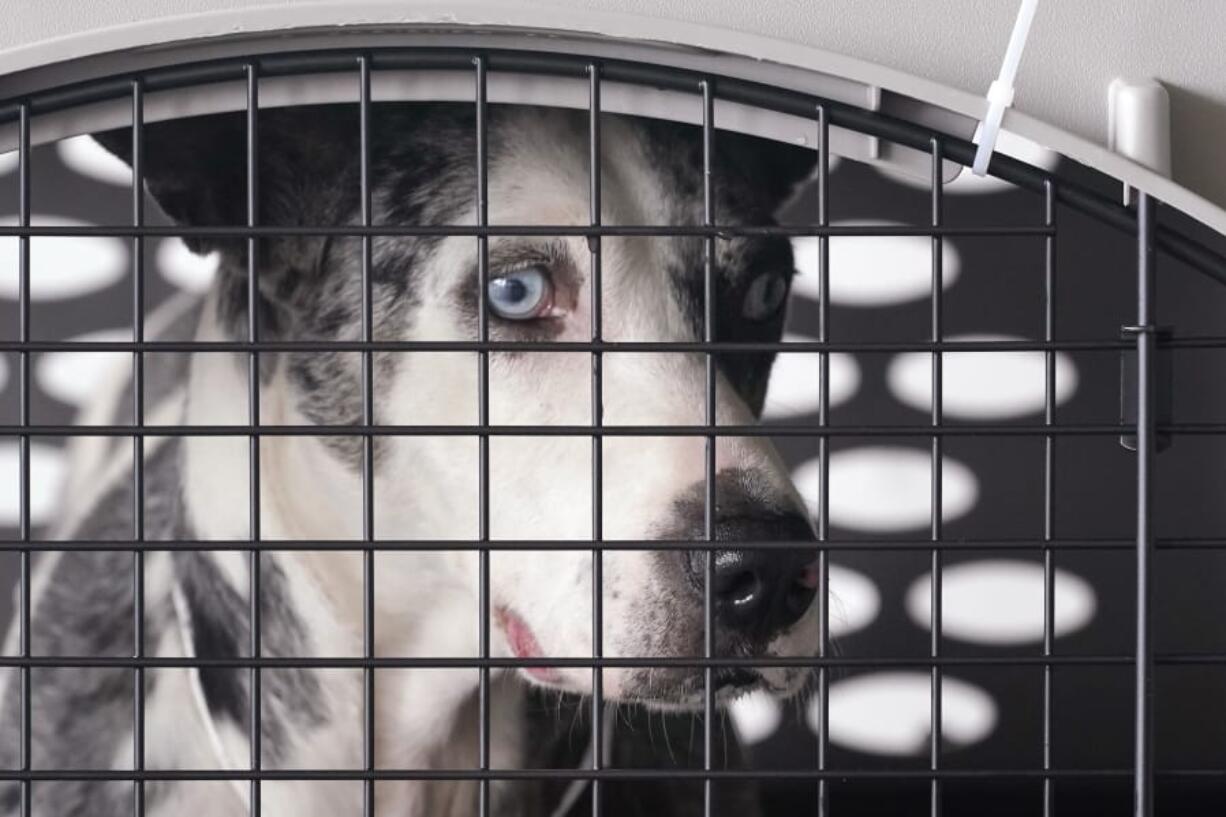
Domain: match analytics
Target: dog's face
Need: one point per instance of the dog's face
(423, 172)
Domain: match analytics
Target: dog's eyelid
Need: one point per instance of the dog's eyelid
(503, 270)
(512, 255)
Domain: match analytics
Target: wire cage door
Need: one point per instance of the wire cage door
(1144, 349)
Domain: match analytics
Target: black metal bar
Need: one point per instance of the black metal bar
(255, 728)
(597, 334)
(823, 455)
(1049, 490)
(937, 481)
(483, 275)
(138, 442)
(619, 774)
(518, 230)
(1143, 794)
(694, 662)
(23, 448)
(483, 430)
(612, 347)
(368, 449)
(1035, 545)
(710, 308)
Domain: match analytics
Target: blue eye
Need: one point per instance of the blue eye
(521, 294)
(765, 296)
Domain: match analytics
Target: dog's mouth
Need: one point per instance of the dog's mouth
(735, 680)
(669, 687)
(686, 692)
(523, 644)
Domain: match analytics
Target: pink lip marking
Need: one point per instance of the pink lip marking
(524, 644)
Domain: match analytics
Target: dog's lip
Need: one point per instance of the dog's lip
(523, 644)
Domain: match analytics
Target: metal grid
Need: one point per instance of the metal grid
(1142, 337)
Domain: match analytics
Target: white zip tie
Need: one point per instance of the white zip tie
(1000, 92)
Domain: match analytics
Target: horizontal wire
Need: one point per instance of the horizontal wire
(697, 430)
(1038, 545)
(612, 346)
(551, 230)
(638, 347)
(658, 662)
(584, 773)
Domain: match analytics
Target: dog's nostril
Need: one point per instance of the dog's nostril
(743, 589)
(809, 576)
(800, 595)
(761, 591)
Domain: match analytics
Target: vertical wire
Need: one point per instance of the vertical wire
(709, 308)
(483, 396)
(1143, 794)
(1049, 487)
(368, 452)
(594, 168)
(934, 749)
(823, 457)
(138, 445)
(253, 410)
(23, 329)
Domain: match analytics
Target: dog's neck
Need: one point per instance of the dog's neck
(424, 607)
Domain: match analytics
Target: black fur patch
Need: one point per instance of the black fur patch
(221, 629)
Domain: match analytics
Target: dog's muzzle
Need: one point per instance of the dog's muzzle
(757, 592)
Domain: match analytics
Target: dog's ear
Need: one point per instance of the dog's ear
(760, 175)
(194, 168)
(776, 170)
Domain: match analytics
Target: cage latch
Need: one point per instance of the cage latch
(1163, 386)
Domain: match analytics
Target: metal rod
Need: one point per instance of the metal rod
(138, 443)
(483, 259)
(1036, 545)
(694, 662)
(368, 449)
(594, 248)
(253, 410)
(1143, 794)
(611, 347)
(711, 230)
(1049, 491)
(823, 455)
(937, 481)
(710, 308)
(627, 774)
(23, 449)
(697, 430)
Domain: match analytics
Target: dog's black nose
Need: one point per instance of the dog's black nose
(759, 591)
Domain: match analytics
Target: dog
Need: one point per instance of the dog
(197, 603)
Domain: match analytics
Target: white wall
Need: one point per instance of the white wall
(1076, 47)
